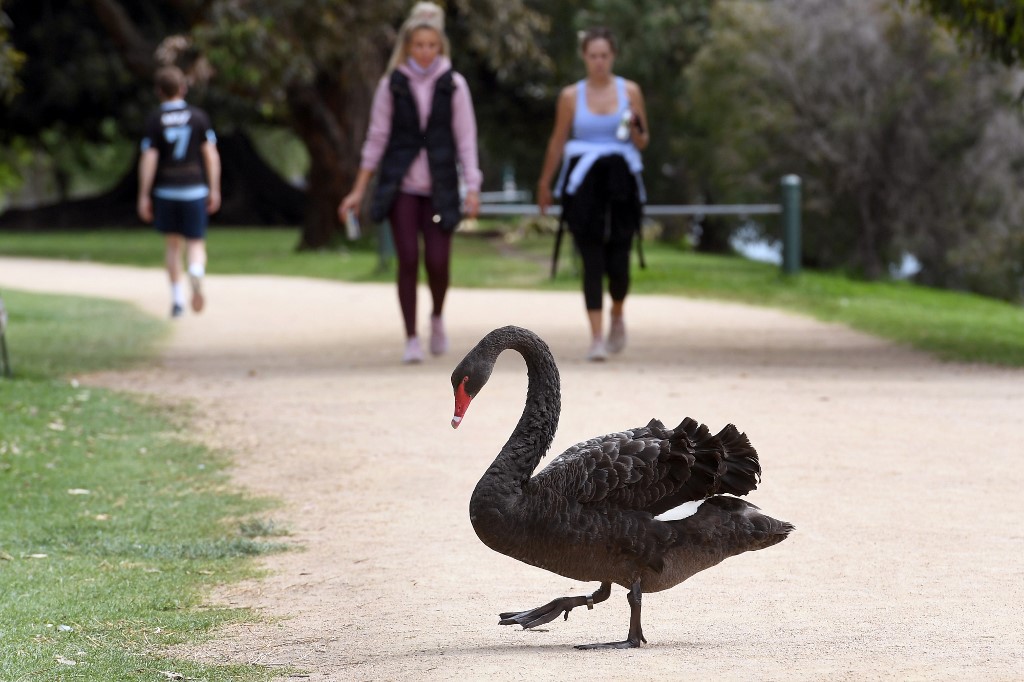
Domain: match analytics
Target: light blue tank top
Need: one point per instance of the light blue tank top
(591, 127)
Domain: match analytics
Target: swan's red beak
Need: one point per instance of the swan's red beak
(461, 403)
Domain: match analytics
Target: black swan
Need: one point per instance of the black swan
(645, 508)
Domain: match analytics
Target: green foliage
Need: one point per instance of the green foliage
(995, 26)
(11, 61)
(904, 143)
(112, 525)
(956, 326)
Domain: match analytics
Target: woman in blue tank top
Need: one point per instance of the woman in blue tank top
(600, 129)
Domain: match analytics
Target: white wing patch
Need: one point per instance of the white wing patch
(681, 512)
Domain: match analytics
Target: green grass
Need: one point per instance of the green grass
(952, 325)
(112, 524)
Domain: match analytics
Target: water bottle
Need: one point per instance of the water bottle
(625, 123)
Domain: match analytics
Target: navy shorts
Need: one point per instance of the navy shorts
(187, 218)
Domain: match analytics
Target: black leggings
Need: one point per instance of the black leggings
(601, 258)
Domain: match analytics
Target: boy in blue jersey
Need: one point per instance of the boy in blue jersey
(179, 183)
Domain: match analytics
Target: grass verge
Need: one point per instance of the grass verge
(954, 326)
(112, 524)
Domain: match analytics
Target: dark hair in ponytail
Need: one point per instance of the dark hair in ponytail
(598, 33)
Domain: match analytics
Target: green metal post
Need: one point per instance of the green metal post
(5, 360)
(791, 224)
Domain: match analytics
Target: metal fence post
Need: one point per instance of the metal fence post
(5, 360)
(791, 224)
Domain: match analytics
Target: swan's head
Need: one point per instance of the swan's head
(467, 380)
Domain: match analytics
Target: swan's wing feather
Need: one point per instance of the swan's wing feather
(653, 469)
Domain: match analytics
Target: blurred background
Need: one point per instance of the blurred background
(902, 118)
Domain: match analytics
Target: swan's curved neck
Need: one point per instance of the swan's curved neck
(533, 434)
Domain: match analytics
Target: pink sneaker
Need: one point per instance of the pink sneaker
(438, 339)
(413, 353)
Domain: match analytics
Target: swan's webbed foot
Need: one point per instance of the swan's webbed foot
(541, 614)
(630, 643)
(636, 633)
(553, 609)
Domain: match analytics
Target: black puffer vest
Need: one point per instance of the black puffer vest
(406, 141)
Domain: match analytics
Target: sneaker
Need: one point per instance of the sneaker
(413, 352)
(197, 293)
(438, 339)
(617, 335)
(177, 310)
(597, 352)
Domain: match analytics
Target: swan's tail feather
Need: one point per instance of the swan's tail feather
(706, 465)
(743, 471)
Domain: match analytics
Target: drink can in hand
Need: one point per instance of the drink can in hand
(352, 225)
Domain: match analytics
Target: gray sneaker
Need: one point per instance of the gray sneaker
(617, 335)
(597, 352)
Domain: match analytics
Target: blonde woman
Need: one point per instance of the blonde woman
(422, 129)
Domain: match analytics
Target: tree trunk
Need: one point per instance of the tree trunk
(322, 118)
(329, 177)
(331, 116)
(868, 240)
(253, 193)
(715, 230)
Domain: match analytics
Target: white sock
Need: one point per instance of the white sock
(196, 269)
(178, 293)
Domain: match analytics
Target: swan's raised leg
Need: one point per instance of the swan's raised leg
(553, 609)
(636, 633)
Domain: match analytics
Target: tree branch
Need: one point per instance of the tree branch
(136, 51)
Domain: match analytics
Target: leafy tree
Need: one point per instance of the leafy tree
(996, 26)
(11, 60)
(904, 144)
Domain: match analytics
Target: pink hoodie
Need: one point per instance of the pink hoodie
(417, 179)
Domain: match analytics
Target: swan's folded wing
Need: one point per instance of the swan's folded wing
(639, 469)
(654, 469)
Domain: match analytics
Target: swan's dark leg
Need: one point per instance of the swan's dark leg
(553, 609)
(636, 633)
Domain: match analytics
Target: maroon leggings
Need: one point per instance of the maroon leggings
(412, 215)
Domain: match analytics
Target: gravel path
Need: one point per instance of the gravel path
(903, 476)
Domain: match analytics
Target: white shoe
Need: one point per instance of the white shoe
(198, 301)
(617, 335)
(438, 339)
(597, 352)
(413, 353)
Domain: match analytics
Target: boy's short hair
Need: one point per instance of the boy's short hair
(169, 81)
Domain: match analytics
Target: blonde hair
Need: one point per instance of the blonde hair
(423, 15)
